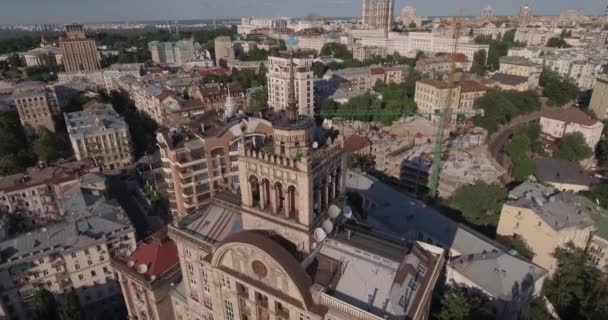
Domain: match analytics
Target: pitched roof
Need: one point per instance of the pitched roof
(570, 115)
(562, 171)
(158, 254)
(509, 79)
(354, 143)
(471, 86)
(459, 57)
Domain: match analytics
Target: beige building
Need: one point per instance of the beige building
(525, 16)
(432, 95)
(546, 220)
(408, 16)
(599, 99)
(559, 122)
(519, 66)
(100, 134)
(365, 78)
(201, 159)
(146, 277)
(378, 14)
(37, 106)
(363, 53)
(223, 50)
(70, 255)
(278, 83)
(79, 52)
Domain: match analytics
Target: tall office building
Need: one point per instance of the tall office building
(172, 53)
(487, 13)
(37, 106)
(525, 16)
(408, 15)
(223, 49)
(378, 14)
(79, 52)
(278, 83)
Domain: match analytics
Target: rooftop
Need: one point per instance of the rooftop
(94, 119)
(562, 171)
(571, 115)
(518, 61)
(508, 79)
(34, 176)
(355, 142)
(158, 254)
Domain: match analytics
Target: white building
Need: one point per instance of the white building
(487, 13)
(535, 36)
(278, 83)
(251, 25)
(173, 53)
(100, 134)
(560, 122)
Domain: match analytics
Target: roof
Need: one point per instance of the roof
(562, 171)
(214, 223)
(571, 115)
(158, 253)
(508, 79)
(434, 83)
(558, 210)
(355, 142)
(471, 86)
(55, 174)
(518, 61)
(96, 118)
(459, 57)
(497, 272)
(213, 71)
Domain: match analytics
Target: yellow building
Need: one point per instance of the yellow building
(546, 220)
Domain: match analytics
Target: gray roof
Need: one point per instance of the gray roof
(499, 273)
(402, 216)
(94, 119)
(509, 79)
(562, 171)
(558, 210)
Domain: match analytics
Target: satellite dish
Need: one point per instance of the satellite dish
(300, 247)
(316, 206)
(347, 212)
(333, 211)
(315, 145)
(328, 226)
(131, 263)
(153, 277)
(142, 268)
(320, 234)
(313, 245)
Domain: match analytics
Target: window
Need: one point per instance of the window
(302, 316)
(102, 258)
(90, 262)
(77, 266)
(98, 248)
(74, 255)
(80, 277)
(93, 273)
(207, 301)
(41, 261)
(228, 311)
(44, 272)
(225, 282)
(86, 251)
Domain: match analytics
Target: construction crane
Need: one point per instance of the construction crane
(444, 117)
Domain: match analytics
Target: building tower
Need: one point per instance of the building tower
(378, 14)
(230, 105)
(288, 185)
(525, 16)
(487, 13)
(79, 52)
(408, 15)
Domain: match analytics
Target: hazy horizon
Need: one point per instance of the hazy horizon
(67, 11)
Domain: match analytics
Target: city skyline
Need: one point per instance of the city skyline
(67, 11)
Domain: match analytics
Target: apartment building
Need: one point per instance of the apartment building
(278, 82)
(535, 36)
(432, 96)
(365, 78)
(252, 25)
(441, 64)
(100, 134)
(214, 95)
(525, 15)
(70, 255)
(408, 17)
(363, 53)
(79, 52)
(546, 220)
(43, 56)
(599, 99)
(522, 67)
(559, 122)
(378, 14)
(200, 159)
(223, 50)
(37, 105)
(173, 53)
(146, 277)
(31, 197)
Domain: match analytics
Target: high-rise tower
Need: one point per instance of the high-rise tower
(378, 14)
(79, 52)
(525, 16)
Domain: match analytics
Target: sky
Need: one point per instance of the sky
(68, 11)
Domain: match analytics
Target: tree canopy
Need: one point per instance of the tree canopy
(573, 147)
(336, 50)
(498, 47)
(459, 303)
(501, 106)
(557, 42)
(480, 203)
(44, 305)
(479, 63)
(254, 54)
(557, 89)
(258, 101)
(71, 309)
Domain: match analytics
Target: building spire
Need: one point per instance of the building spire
(292, 108)
(230, 105)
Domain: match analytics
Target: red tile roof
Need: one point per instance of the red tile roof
(471, 86)
(165, 94)
(355, 143)
(213, 71)
(434, 83)
(459, 58)
(378, 71)
(570, 115)
(158, 254)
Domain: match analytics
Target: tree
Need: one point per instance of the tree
(46, 145)
(479, 63)
(15, 61)
(15, 154)
(518, 244)
(557, 42)
(460, 303)
(318, 69)
(71, 309)
(480, 203)
(573, 147)
(258, 101)
(577, 289)
(412, 25)
(501, 106)
(557, 89)
(523, 168)
(254, 54)
(44, 305)
(336, 50)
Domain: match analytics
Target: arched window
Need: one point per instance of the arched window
(279, 197)
(291, 201)
(266, 194)
(255, 190)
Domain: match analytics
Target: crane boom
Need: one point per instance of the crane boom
(445, 116)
